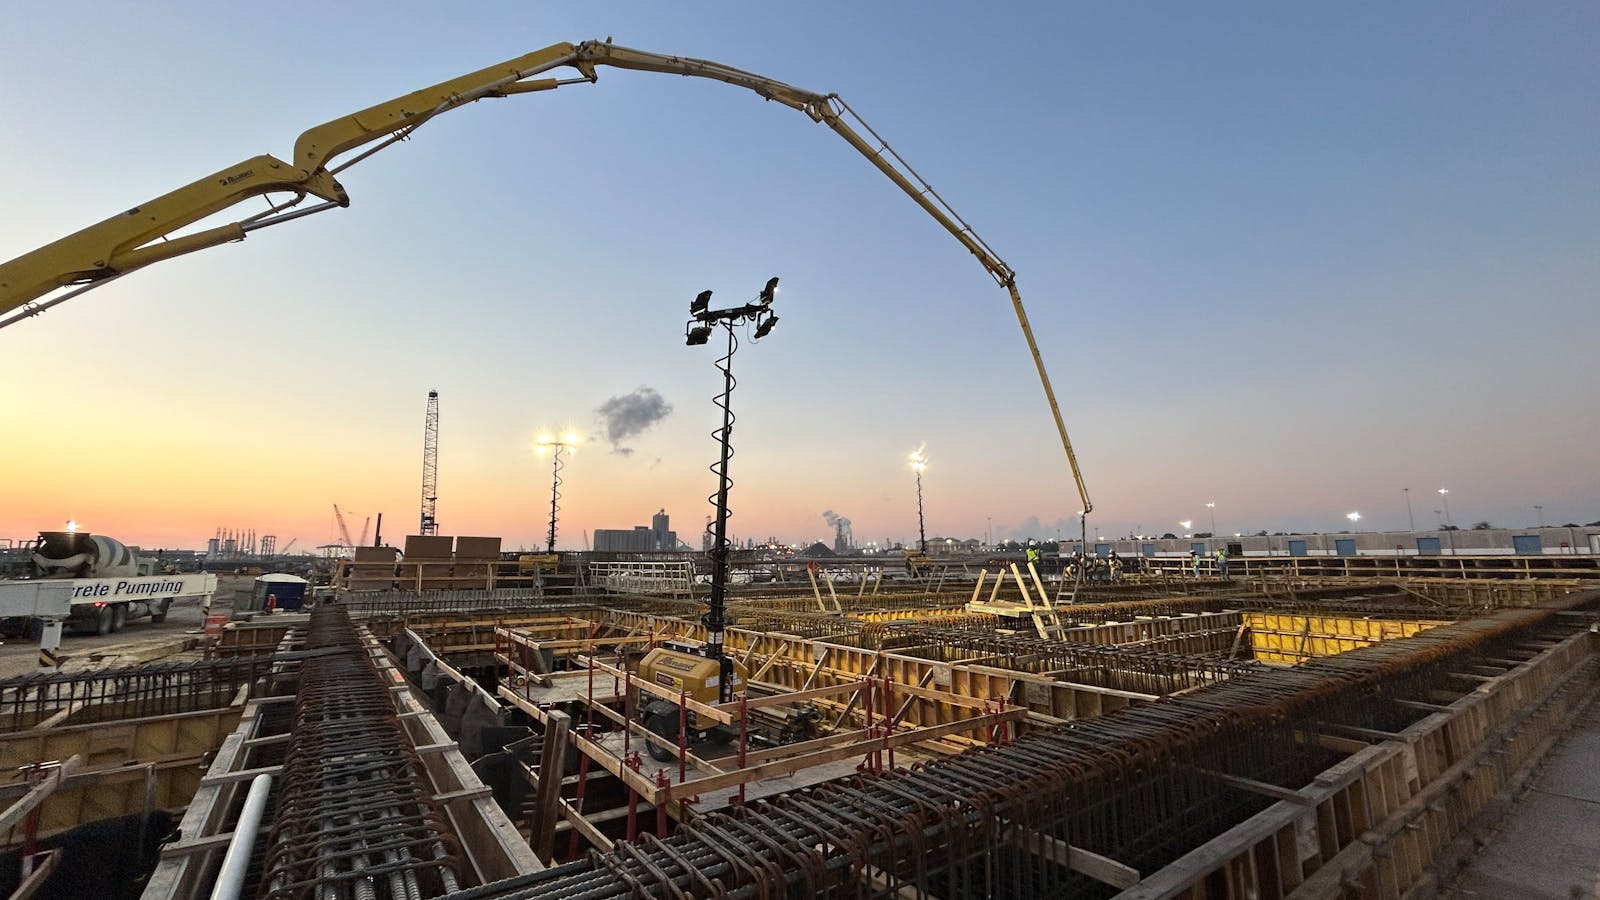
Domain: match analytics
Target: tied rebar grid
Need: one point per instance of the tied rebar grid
(1141, 786)
(1140, 669)
(355, 817)
(126, 692)
(411, 603)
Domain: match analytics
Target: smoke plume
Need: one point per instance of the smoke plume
(629, 415)
(835, 520)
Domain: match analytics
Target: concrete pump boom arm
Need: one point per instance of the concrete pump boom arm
(143, 235)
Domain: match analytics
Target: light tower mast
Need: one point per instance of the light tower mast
(430, 466)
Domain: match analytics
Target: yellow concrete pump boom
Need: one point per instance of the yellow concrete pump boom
(143, 235)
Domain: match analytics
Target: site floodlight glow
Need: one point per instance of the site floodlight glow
(1444, 490)
(1187, 524)
(700, 303)
(72, 526)
(1354, 517)
(765, 328)
(1211, 506)
(919, 460)
(768, 291)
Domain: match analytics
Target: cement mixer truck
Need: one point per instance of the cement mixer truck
(110, 584)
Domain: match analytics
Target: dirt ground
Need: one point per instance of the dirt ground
(133, 644)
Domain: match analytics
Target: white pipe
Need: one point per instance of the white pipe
(237, 861)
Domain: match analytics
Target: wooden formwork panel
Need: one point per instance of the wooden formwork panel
(239, 639)
(118, 743)
(796, 663)
(1371, 825)
(1292, 637)
(127, 766)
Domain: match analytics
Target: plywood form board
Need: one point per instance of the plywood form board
(429, 546)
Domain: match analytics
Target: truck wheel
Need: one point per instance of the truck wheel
(665, 725)
(119, 617)
(102, 620)
(156, 618)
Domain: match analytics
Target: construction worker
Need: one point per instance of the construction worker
(1116, 567)
(1222, 562)
(1033, 556)
(1194, 561)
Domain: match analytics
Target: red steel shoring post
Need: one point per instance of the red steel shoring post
(683, 736)
(888, 719)
(527, 683)
(664, 782)
(627, 714)
(743, 737)
(632, 762)
(583, 781)
(866, 705)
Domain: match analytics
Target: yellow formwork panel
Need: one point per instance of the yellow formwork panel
(1289, 638)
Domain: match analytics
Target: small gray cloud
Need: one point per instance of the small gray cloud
(627, 416)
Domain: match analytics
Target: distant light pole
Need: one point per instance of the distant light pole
(919, 461)
(1450, 527)
(1213, 508)
(567, 443)
(1410, 519)
(988, 533)
(1540, 510)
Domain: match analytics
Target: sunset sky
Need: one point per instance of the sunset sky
(1285, 259)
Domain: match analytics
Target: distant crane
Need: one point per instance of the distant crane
(288, 546)
(344, 530)
(430, 466)
(365, 527)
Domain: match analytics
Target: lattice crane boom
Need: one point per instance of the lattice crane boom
(430, 466)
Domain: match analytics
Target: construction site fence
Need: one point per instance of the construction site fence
(665, 576)
(1443, 566)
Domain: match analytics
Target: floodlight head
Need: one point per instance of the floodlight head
(766, 326)
(768, 291)
(700, 304)
(698, 335)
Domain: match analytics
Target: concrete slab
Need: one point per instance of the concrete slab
(1548, 846)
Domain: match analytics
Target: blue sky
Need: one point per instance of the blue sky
(1282, 258)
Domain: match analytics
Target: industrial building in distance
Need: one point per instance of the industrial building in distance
(655, 538)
